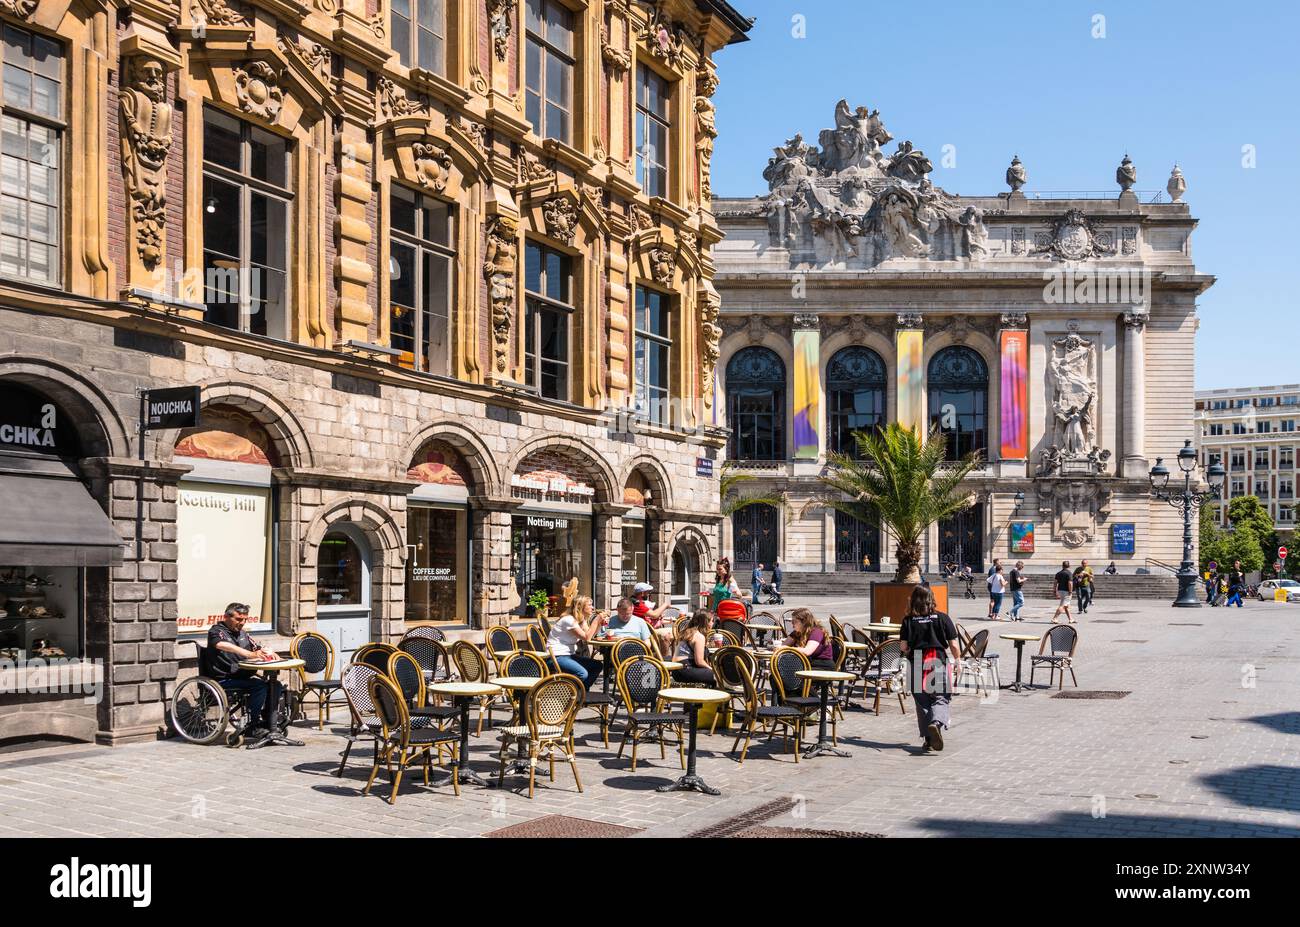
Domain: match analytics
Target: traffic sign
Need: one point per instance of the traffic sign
(1277, 565)
(1281, 553)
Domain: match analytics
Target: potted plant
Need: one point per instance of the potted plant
(537, 603)
(908, 485)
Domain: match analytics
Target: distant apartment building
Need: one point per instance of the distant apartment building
(1252, 432)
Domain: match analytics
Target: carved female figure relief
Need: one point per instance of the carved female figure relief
(146, 140)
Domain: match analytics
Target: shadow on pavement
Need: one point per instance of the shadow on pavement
(1286, 722)
(1114, 825)
(1276, 787)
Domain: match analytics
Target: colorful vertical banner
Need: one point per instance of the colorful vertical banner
(807, 393)
(911, 381)
(1015, 396)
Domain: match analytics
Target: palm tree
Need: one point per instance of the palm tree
(902, 480)
(733, 500)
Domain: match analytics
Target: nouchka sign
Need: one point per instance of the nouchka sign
(171, 408)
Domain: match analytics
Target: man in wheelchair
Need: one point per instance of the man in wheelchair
(228, 644)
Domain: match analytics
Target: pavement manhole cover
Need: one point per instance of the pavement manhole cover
(1200, 737)
(1128, 640)
(1177, 762)
(749, 819)
(1185, 624)
(1145, 795)
(764, 831)
(560, 825)
(1100, 694)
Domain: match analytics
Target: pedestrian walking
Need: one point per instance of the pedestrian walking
(1064, 582)
(929, 640)
(997, 589)
(988, 581)
(1016, 586)
(1083, 585)
(1236, 584)
(756, 581)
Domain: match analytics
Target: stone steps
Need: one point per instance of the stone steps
(1122, 586)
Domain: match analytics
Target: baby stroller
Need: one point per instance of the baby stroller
(773, 594)
(969, 580)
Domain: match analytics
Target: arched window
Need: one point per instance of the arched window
(958, 384)
(341, 570)
(756, 405)
(855, 397)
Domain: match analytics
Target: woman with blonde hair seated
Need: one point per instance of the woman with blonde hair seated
(573, 628)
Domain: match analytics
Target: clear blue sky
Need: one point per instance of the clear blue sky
(1189, 81)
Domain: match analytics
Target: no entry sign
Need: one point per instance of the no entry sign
(1281, 553)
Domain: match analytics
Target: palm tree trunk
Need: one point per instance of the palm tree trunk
(908, 557)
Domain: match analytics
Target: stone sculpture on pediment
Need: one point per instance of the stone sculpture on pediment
(146, 139)
(1073, 238)
(1072, 371)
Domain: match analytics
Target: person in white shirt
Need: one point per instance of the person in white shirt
(566, 635)
(997, 587)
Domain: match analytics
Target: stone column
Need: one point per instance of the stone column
(1135, 418)
(607, 571)
(493, 589)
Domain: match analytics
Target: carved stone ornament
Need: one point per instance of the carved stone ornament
(146, 139)
(561, 216)
(1018, 241)
(499, 269)
(379, 23)
(974, 236)
(257, 88)
(706, 82)
(314, 55)
(1177, 184)
(1128, 244)
(432, 165)
(1136, 320)
(1072, 374)
(1073, 238)
(661, 265)
(640, 217)
(910, 320)
(1016, 174)
(476, 131)
(19, 9)
(501, 14)
(805, 322)
(710, 337)
(664, 39)
(208, 12)
(1126, 174)
(1014, 320)
(618, 60)
(531, 170)
(706, 131)
(395, 103)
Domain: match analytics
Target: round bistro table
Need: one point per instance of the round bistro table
(692, 699)
(606, 645)
(519, 687)
(461, 693)
(764, 630)
(823, 679)
(276, 734)
(1019, 640)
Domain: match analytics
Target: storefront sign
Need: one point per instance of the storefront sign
(171, 408)
(433, 575)
(1123, 538)
(703, 466)
(536, 522)
(30, 422)
(223, 555)
(1022, 537)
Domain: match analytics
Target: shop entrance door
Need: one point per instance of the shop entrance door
(684, 572)
(343, 591)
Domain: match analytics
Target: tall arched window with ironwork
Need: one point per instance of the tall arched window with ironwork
(855, 397)
(756, 405)
(958, 385)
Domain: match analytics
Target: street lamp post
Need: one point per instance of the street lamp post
(1187, 501)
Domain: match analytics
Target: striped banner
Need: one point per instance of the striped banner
(1015, 396)
(807, 394)
(911, 381)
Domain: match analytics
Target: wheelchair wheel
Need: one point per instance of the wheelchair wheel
(200, 710)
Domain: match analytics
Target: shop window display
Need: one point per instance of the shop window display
(39, 613)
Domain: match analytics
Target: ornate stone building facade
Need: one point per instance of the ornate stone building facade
(442, 273)
(1052, 334)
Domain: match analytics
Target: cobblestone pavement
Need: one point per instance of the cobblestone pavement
(1204, 744)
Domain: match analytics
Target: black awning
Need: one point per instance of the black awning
(50, 519)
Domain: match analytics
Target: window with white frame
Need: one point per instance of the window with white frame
(1286, 458)
(653, 328)
(1261, 489)
(1288, 424)
(548, 67)
(548, 319)
(1261, 458)
(1217, 429)
(31, 139)
(420, 34)
(421, 259)
(653, 130)
(247, 204)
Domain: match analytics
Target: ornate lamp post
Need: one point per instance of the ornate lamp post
(1187, 501)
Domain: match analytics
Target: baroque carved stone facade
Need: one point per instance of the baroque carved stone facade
(269, 169)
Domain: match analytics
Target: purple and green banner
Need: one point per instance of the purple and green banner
(911, 381)
(1015, 396)
(807, 394)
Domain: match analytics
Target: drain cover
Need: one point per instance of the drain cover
(1185, 624)
(559, 825)
(1091, 693)
(765, 831)
(1177, 762)
(1200, 737)
(751, 818)
(1145, 795)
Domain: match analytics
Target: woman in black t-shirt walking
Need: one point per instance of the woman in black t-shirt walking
(929, 641)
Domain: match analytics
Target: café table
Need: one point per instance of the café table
(763, 629)
(823, 679)
(606, 647)
(277, 734)
(692, 699)
(461, 693)
(1019, 640)
(519, 687)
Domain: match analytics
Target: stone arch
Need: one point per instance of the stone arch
(101, 429)
(655, 475)
(883, 344)
(987, 350)
(482, 465)
(287, 434)
(607, 486)
(691, 538)
(784, 350)
(387, 556)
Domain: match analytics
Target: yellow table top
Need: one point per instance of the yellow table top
(463, 688)
(854, 645)
(764, 627)
(700, 696)
(514, 682)
(281, 664)
(825, 675)
(671, 665)
(504, 654)
(604, 641)
(884, 628)
(1019, 637)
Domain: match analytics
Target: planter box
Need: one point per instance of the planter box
(892, 599)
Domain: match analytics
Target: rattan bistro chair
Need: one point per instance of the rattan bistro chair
(375, 655)
(639, 680)
(434, 660)
(792, 690)
(498, 638)
(788, 717)
(887, 674)
(727, 664)
(538, 639)
(1063, 639)
(973, 659)
(733, 627)
(547, 727)
(472, 668)
(317, 654)
(406, 673)
(427, 632)
(624, 650)
(365, 723)
(397, 735)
